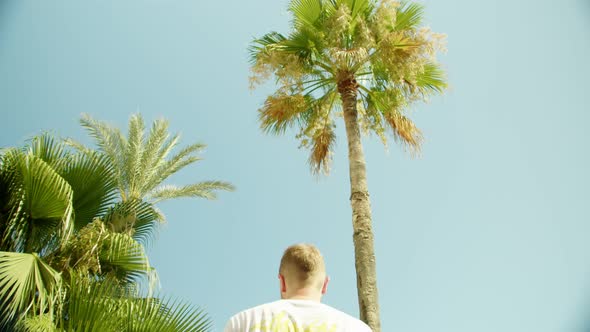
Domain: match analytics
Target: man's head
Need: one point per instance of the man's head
(302, 273)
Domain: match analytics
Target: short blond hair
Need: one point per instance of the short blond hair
(304, 262)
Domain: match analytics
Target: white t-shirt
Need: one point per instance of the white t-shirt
(294, 316)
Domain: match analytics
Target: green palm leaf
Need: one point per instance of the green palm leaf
(183, 158)
(27, 284)
(205, 189)
(137, 218)
(111, 142)
(306, 12)
(132, 154)
(140, 164)
(46, 147)
(157, 147)
(166, 316)
(125, 258)
(93, 184)
(104, 306)
(42, 204)
(261, 45)
(92, 306)
(358, 6)
(409, 16)
(431, 79)
(38, 323)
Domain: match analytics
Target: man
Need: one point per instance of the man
(303, 281)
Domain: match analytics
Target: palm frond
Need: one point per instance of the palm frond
(307, 44)
(48, 149)
(152, 174)
(431, 79)
(165, 315)
(157, 147)
(37, 323)
(358, 6)
(125, 258)
(280, 111)
(206, 189)
(27, 284)
(404, 130)
(111, 142)
(133, 154)
(261, 45)
(409, 16)
(41, 200)
(92, 179)
(389, 104)
(322, 146)
(105, 306)
(183, 158)
(93, 306)
(138, 218)
(306, 12)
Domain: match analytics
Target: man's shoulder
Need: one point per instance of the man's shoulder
(359, 325)
(258, 308)
(237, 321)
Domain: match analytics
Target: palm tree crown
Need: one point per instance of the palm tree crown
(376, 51)
(142, 163)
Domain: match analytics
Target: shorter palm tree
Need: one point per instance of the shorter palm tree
(71, 253)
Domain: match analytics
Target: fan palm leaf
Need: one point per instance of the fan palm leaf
(41, 204)
(409, 16)
(103, 306)
(124, 257)
(46, 147)
(93, 185)
(27, 284)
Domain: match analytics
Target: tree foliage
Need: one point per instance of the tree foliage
(381, 48)
(73, 224)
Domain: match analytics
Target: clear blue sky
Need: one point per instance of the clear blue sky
(487, 232)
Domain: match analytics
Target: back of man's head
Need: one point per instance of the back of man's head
(303, 266)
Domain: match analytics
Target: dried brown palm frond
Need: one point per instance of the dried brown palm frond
(321, 150)
(279, 112)
(405, 131)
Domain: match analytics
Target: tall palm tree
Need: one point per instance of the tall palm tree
(366, 61)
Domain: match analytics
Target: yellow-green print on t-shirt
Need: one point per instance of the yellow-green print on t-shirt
(282, 323)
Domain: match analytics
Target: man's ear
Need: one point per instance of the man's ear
(325, 286)
(283, 283)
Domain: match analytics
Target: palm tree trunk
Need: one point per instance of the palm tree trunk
(364, 251)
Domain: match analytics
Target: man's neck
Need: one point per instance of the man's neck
(302, 295)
